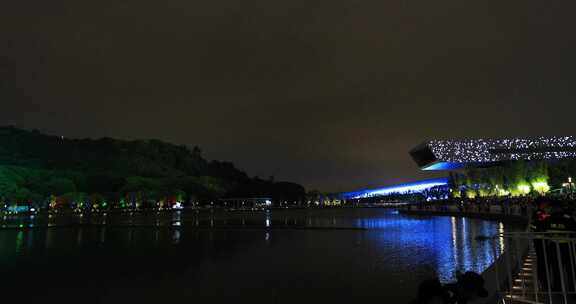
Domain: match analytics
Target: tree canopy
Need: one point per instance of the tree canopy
(34, 167)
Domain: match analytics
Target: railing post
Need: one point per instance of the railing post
(510, 277)
(571, 257)
(547, 270)
(519, 265)
(561, 271)
(553, 273)
(496, 266)
(531, 247)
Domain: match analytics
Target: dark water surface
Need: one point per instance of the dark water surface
(186, 257)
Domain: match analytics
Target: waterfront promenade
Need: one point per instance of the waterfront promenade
(496, 213)
(515, 253)
(514, 277)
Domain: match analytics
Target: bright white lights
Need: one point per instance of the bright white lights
(495, 150)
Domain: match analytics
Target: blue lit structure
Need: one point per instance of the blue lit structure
(414, 187)
(443, 166)
(18, 209)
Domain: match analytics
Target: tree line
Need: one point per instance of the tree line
(41, 169)
(513, 178)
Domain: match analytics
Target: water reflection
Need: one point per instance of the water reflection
(19, 241)
(79, 237)
(501, 238)
(466, 247)
(177, 217)
(176, 234)
(51, 220)
(450, 244)
(30, 242)
(392, 242)
(156, 237)
(50, 236)
(454, 245)
(102, 235)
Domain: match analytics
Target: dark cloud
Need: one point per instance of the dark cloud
(331, 94)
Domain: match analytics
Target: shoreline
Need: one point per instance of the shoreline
(490, 274)
(509, 218)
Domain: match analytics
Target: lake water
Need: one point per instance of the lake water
(286, 256)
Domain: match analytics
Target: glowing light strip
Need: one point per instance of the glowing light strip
(443, 166)
(415, 187)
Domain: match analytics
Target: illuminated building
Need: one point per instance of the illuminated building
(454, 154)
(414, 187)
(18, 209)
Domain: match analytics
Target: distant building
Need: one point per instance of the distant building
(406, 188)
(454, 154)
(245, 202)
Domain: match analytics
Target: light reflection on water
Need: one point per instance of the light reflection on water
(19, 241)
(448, 244)
(393, 248)
(176, 236)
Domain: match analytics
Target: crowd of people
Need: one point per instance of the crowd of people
(468, 288)
(522, 206)
(554, 226)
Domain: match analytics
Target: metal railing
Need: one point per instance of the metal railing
(534, 268)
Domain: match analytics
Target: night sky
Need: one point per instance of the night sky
(330, 94)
